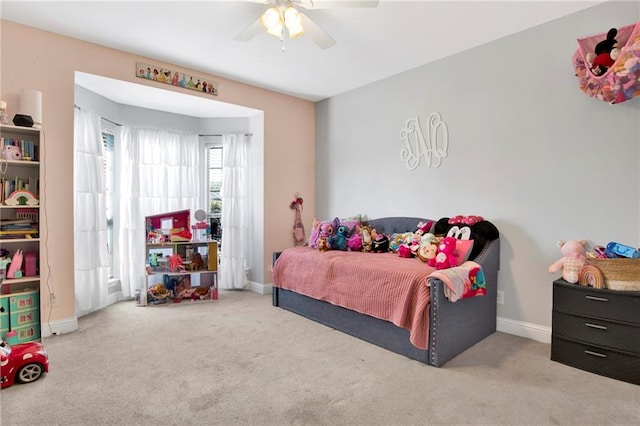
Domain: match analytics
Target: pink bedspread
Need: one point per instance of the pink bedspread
(380, 285)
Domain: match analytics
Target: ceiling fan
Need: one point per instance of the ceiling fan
(283, 19)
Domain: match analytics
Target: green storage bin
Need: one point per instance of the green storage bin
(27, 333)
(24, 300)
(4, 304)
(24, 316)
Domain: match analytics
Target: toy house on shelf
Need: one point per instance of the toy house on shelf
(177, 267)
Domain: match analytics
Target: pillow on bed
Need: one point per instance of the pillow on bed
(463, 247)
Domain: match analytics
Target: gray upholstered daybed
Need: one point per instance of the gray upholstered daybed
(451, 327)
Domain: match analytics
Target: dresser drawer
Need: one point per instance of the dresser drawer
(605, 362)
(621, 306)
(599, 332)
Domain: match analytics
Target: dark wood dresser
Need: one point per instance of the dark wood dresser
(597, 330)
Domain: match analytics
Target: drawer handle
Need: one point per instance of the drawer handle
(597, 299)
(598, 326)
(595, 354)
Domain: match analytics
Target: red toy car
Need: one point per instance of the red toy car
(22, 363)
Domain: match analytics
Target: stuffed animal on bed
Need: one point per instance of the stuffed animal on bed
(355, 242)
(326, 230)
(367, 240)
(572, 260)
(428, 247)
(446, 255)
(380, 244)
(339, 240)
(472, 228)
(323, 244)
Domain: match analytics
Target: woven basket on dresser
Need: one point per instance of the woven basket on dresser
(619, 274)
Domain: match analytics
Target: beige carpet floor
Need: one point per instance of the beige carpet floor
(240, 361)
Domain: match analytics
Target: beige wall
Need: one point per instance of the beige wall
(46, 62)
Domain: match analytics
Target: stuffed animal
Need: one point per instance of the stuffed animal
(572, 260)
(405, 251)
(367, 240)
(10, 152)
(380, 244)
(323, 244)
(322, 229)
(446, 256)
(473, 228)
(355, 242)
(606, 52)
(428, 247)
(339, 240)
(327, 229)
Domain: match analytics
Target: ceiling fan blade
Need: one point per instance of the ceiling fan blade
(317, 34)
(334, 4)
(250, 32)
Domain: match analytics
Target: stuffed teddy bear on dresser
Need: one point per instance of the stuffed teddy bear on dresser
(572, 260)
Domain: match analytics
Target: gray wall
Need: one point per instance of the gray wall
(527, 150)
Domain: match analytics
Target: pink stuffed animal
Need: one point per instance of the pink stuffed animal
(446, 256)
(572, 260)
(354, 243)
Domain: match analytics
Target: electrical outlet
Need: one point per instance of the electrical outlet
(53, 300)
(500, 297)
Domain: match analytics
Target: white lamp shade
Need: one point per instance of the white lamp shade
(31, 104)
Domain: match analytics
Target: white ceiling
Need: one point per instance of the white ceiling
(372, 43)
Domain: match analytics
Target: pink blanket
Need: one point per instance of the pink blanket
(381, 285)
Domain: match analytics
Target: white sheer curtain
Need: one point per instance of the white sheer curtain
(159, 173)
(91, 259)
(236, 211)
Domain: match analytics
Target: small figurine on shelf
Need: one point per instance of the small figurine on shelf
(4, 117)
(197, 263)
(175, 263)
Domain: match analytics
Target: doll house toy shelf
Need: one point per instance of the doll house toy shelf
(178, 267)
(20, 243)
(621, 81)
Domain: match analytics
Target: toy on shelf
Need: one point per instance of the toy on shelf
(175, 263)
(572, 260)
(614, 250)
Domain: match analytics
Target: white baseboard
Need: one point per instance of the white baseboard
(524, 329)
(67, 325)
(114, 298)
(260, 288)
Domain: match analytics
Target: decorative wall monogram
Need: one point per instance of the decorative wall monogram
(434, 146)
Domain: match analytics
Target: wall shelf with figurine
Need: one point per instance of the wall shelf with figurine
(20, 242)
(180, 265)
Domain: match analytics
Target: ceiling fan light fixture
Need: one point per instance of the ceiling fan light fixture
(271, 20)
(293, 22)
